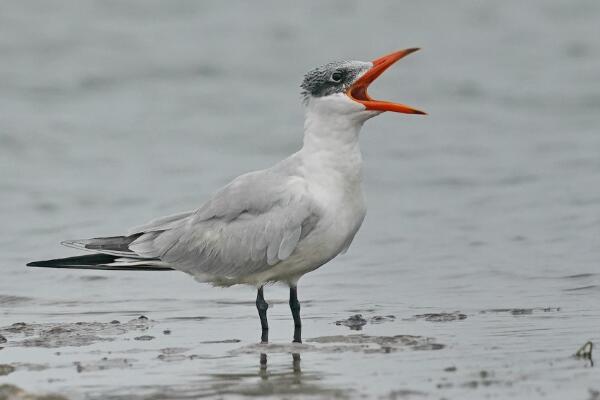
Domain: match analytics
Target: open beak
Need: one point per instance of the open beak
(358, 91)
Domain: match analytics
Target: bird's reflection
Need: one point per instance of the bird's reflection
(296, 369)
(262, 372)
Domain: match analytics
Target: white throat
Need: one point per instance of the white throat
(331, 151)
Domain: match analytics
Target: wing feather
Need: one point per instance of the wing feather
(163, 223)
(248, 226)
(289, 242)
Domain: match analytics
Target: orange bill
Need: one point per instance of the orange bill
(358, 91)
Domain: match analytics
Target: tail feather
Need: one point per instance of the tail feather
(103, 262)
(113, 245)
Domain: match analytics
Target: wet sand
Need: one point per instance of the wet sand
(510, 351)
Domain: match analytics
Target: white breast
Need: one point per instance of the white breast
(330, 164)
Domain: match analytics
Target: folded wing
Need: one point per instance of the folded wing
(248, 226)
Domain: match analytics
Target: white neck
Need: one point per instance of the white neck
(331, 149)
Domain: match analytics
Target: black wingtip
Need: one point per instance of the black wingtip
(85, 261)
(48, 263)
(39, 263)
(95, 261)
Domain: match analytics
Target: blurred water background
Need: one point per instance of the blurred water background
(114, 112)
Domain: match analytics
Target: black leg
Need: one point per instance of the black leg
(262, 307)
(295, 307)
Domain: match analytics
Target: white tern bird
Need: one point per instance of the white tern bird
(272, 225)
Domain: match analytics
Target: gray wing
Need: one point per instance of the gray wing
(248, 226)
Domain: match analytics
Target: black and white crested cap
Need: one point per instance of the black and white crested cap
(335, 77)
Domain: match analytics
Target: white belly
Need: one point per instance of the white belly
(339, 223)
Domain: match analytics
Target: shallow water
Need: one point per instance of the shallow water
(481, 238)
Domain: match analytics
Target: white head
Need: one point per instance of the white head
(339, 89)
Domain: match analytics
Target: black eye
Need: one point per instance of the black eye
(337, 76)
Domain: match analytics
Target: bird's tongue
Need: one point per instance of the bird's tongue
(358, 91)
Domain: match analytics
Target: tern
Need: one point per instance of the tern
(272, 225)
